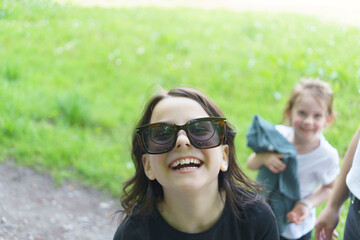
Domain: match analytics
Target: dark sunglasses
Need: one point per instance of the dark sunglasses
(157, 138)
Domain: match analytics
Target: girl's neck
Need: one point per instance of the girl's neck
(192, 212)
(302, 146)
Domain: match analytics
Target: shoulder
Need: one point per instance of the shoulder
(328, 149)
(254, 210)
(127, 230)
(284, 130)
(257, 219)
(133, 228)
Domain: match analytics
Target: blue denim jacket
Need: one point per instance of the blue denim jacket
(282, 188)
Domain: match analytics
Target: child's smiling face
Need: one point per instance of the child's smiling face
(308, 117)
(206, 163)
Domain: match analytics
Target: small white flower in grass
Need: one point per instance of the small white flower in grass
(113, 54)
(313, 29)
(358, 74)
(70, 45)
(273, 26)
(259, 37)
(58, 50)
(187, 64)
(251, 63)
(118, 61)
(226, 75)
(208, 31)
(218, 67)
(213, 46)
(140, 50)
(186, 43)
(129, 165)
(258, 24)
(76, 24)
(277, 96)
(169, 56)
(155, 36)
(321, 72)
(226, 44)
(331, 43)
(92, 25)
(174, 66)
(293, 36)
(44, 23)
(334, 75)
(280, 61)
(164, 71)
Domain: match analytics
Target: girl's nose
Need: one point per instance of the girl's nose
(182, 140)
(308, 120)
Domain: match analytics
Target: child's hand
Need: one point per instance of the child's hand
(272, 161)
(298, 214)
(326, 223)
(322, 235)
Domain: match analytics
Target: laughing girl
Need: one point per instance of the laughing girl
(188, 184)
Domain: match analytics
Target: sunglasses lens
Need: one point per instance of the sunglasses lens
(205, 134)
(159, 138)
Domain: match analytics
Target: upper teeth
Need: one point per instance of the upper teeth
(185, 161)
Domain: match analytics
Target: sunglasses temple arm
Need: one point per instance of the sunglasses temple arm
(225, 135)
(139, 139)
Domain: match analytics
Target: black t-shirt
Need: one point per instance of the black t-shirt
(257, 223)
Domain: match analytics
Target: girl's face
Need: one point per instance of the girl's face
(205, 164)
(308, 117)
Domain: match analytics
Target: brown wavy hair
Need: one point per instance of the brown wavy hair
(140, 194)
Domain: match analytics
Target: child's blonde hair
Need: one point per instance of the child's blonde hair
(319, 89)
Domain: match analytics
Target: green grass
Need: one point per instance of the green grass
(73, 81)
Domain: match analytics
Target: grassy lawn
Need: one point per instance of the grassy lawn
(73, 81)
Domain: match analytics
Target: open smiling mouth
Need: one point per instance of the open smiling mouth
(186, 164)
(307, 130)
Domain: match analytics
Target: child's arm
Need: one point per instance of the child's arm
(329, 217)
(302, 208)
(270, 160)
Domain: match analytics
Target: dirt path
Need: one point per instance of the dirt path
(33, 208)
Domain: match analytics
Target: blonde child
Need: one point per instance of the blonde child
(308, 112)
(187, 183)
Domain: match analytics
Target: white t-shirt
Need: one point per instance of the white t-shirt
(353, 177)
(320, 166)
